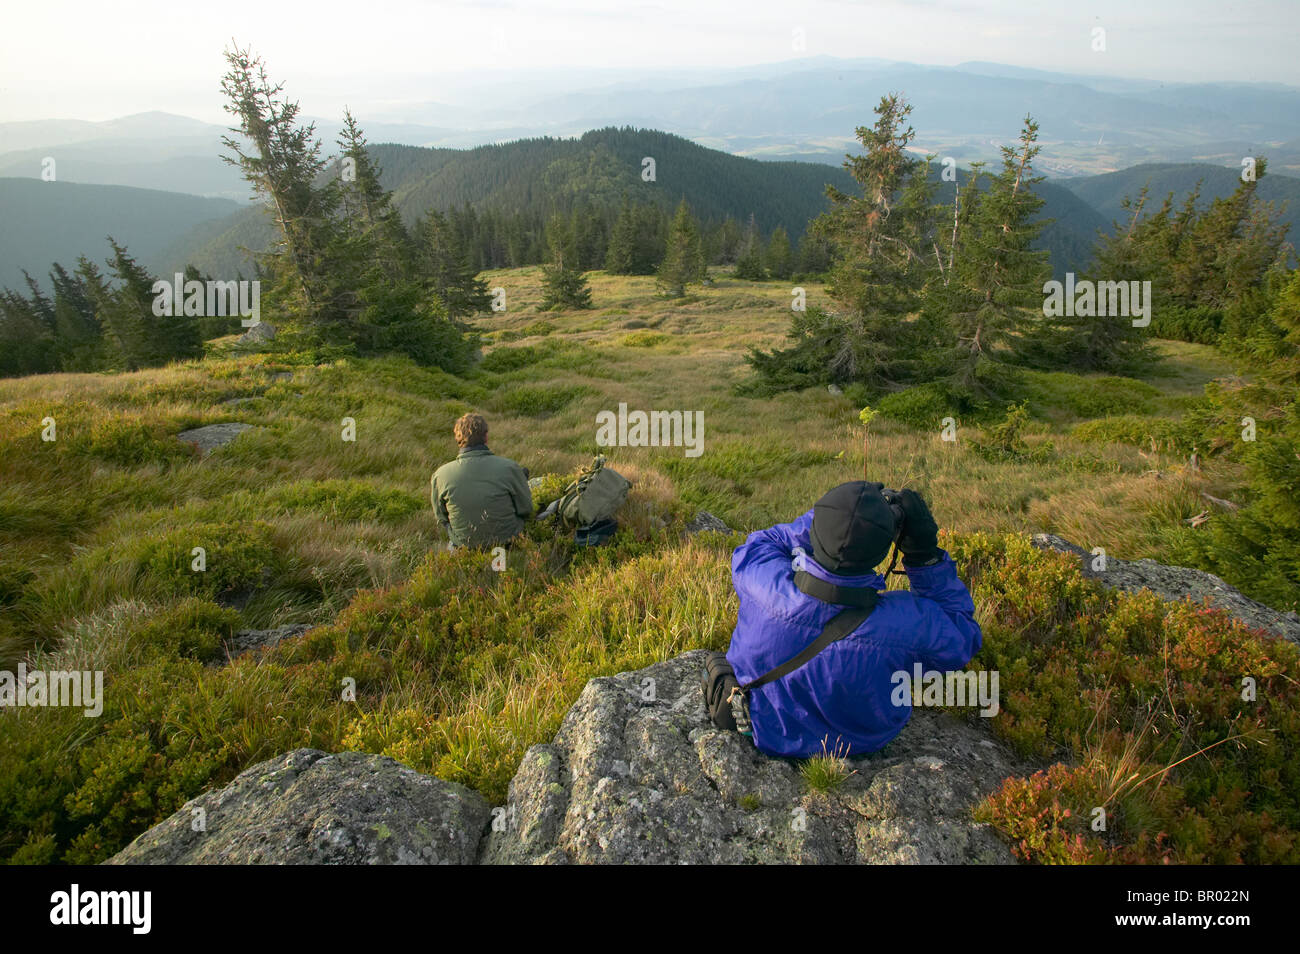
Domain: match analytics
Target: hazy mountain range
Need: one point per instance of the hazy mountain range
(1102, 138)
(799, 109)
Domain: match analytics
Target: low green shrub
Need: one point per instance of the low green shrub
(350, 500)
(192, 629)
(1201, 325)
(1092, 395)
(1005, 440)
(922, 407)
(510, 359)
(644, 339)
(538, 328)
(1145, 431)
(538, 400)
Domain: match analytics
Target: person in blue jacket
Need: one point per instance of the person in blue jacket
(843, 700)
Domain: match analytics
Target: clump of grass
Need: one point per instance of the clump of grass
(186, 558)
(826, 771)
(350, 500)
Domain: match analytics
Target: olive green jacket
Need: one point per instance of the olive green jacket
(481, 500)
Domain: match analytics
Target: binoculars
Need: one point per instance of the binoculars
(891, 498)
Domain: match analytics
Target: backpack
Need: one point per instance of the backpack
(595, 496)
(596, 534)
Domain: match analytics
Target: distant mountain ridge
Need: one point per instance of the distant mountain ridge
(805, 107)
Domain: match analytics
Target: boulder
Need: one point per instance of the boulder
(259, 333)
(1175, 583)
(246, 640)
(706, 522)
(638, 773)
(310, 807)
(209, 438)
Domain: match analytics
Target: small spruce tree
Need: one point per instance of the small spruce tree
(683, 262)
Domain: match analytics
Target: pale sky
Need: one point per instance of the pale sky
(99, 60)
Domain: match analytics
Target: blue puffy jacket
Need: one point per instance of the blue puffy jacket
(842, 697)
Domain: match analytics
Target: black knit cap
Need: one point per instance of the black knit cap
(852, 528)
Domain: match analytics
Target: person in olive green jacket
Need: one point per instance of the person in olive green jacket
(481, 500)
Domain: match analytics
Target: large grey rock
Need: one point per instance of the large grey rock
(259, 333)
(210, 437)
(309, 807)
(1175, 583)
(638, 773)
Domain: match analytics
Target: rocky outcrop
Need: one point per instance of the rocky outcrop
(638, 773)
(1175, 583)
(309, 807)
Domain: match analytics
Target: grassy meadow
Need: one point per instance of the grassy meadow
(458, 669)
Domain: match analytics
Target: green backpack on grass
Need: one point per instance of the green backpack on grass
(595, 496)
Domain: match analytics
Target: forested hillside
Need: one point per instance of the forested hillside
(501, 196)
(1106, 192)
(47, 222)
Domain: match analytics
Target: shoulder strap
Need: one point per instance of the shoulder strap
(840, 625)
(859, 596)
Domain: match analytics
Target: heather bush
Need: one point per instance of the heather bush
(1149, 703)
